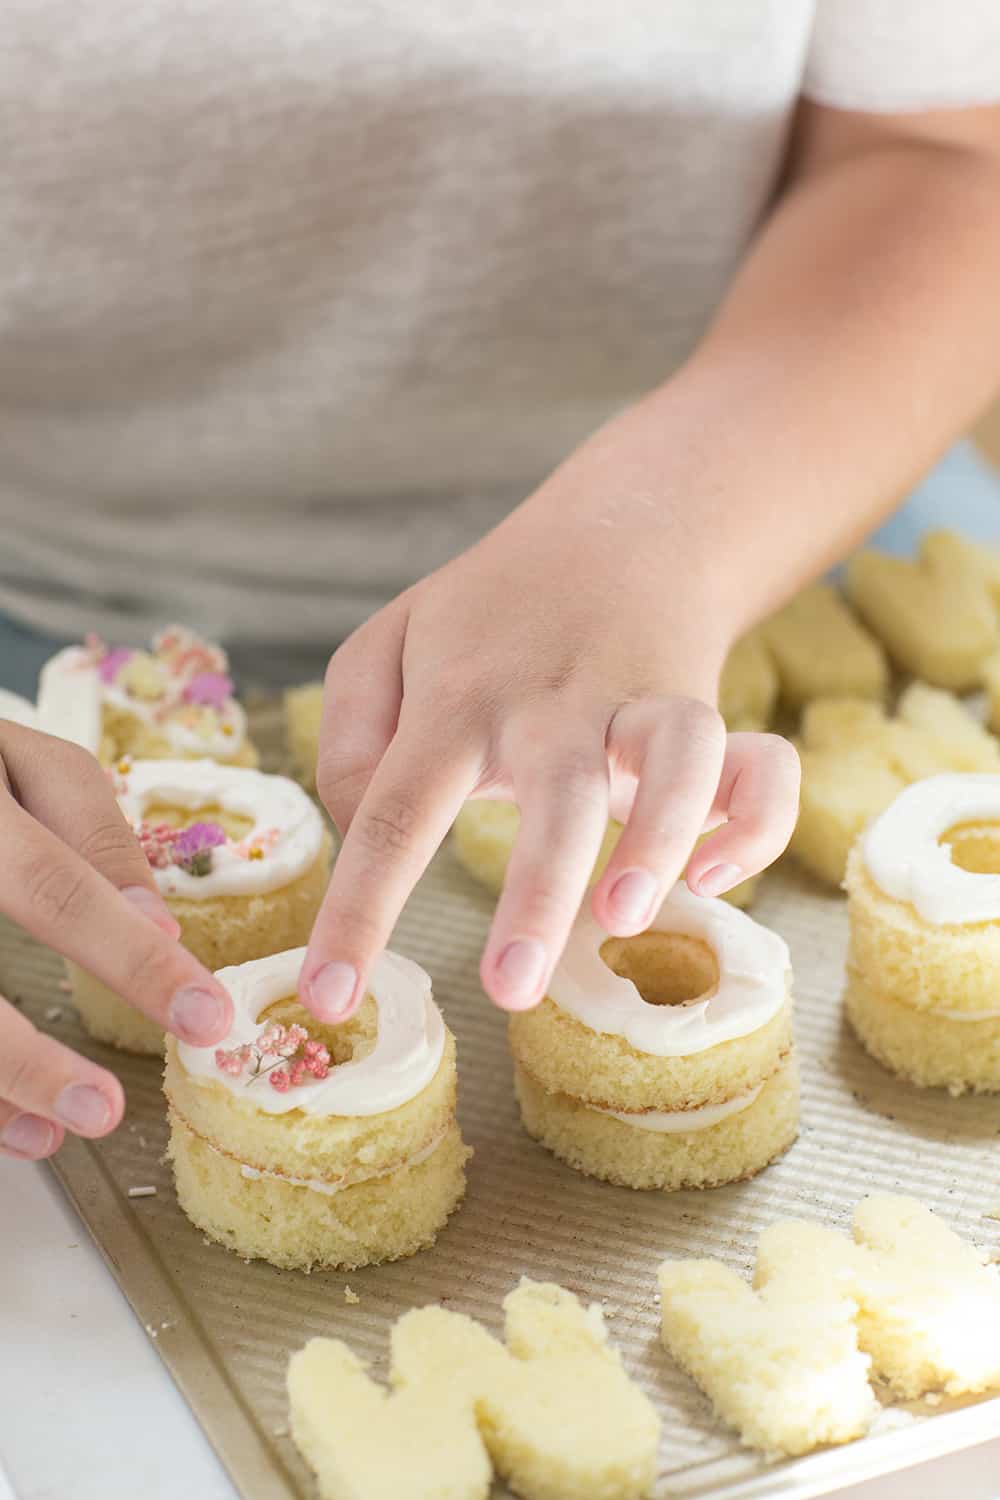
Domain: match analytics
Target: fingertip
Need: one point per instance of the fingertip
(91, 1110)
(152, 906)
(28, 1137)
(716, 880)
(626, 901)
(332, 993)
(199, 1015)
(516, 978)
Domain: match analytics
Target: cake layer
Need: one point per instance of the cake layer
(566, 1057)
(298, 1228)
(734, 1147)
(921, 966)
(924, 1046)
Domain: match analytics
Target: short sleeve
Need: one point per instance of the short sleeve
(901, 55)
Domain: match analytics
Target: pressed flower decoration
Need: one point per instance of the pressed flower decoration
(285, 1055)
(193, 849)
(183, 678)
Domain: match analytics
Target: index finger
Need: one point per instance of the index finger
(411, 802)
(60, 899)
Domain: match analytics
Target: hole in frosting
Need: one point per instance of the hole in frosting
(974, 847)
(667, 968)
(234, 825)
(347, 1042)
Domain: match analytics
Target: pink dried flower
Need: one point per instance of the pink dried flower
(271, 1038)
(318, 1068)
(210, 689)
(297, 1071)
(229, 1061)
(292, 1041)
(279, 1079)
(313, 1048)
(156, 842)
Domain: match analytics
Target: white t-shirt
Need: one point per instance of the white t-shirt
(298, 297)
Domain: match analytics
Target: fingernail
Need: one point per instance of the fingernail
(83, 1108)
(331, 990)
(520, 969)
(154, 907)
(198, 1016)
(718, 879)
(631, 898)
(28, 1135)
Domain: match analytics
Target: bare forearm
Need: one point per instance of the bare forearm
(860, 336)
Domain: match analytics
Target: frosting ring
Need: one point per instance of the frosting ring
(409, 1043)
(278, 808)
(904, 857)
(753, 967)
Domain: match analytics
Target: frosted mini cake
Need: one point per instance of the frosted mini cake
(241, 860)
(174, 700)
(311, 1145)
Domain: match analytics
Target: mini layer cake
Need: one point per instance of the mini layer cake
(483, 839)
(311, 1145)
(240, 858)
(923, 978)
(174, 700)
(855, 760)
(937, 616)
(664, 1060)
(303, 715)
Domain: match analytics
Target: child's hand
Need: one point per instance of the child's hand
(553, 663)
(73, 875)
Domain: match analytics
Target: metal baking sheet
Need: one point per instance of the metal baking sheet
(225, 1328)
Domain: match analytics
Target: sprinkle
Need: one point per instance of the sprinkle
(54, 1013)
(124, 766)
(255, 852)
(351, 1296)
(208, 689)
(227, 729)
(142, 1192)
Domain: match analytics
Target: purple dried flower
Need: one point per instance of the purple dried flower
(192, 848)
(209, 689)
(110, 665)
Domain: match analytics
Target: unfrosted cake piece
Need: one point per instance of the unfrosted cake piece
(665, 1060)
(788, 1364)
(936, 616)
(303, 717)
(482, 839)
(307, 1144)
(240, 858)
(928, 1303)
(923, 964)
(821, 650)
(174, 700)
(552, 1410)
(856, 759)
(991, 682)
(782, 1366)
(748, 687)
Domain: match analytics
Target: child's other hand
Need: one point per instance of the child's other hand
(73, 875)
(563, 663)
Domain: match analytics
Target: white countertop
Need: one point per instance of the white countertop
(87, 1411)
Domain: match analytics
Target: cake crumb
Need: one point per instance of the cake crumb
(933, 1398)
(351, 1296)
(142, 1192)
(65, 987)
(54, 1013)
(992, 1213)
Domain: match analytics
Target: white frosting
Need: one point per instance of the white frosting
(71, 697)
(322, 1185)
(753, 966)
(681, 1121)
(906, 860)
(270, 802)
(17, 709)
(408, 1046)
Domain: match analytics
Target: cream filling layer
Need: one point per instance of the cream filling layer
(753, 964)
(683, 1121)
(329, 1189)
(905, 858)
